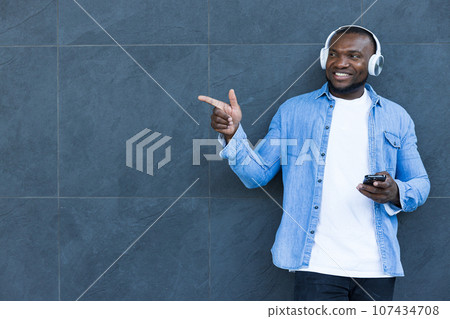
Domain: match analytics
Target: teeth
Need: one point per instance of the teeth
(342, 74)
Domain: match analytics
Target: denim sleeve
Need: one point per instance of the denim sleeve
(411, 176)
(391, 209)
(255, 167)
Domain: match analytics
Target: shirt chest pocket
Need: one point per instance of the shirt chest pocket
(392, 143)
(392, 139)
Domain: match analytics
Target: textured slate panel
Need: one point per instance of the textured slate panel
(28, 249)
(28, 22)
(134, 21)
(240, 21)
(408, 21)
(424, 241)
(242, 234)
(259, 75)
(169, 262)
(419, 84)
(28, 121)
(107, 99)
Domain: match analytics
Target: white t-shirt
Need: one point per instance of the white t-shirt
(345, 241)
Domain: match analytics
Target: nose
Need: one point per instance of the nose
(342, 62)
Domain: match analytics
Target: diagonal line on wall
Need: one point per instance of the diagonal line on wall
(311, 65)
(310, 237)
(136, 240)
(136, 62)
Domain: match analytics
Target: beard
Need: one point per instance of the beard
(347, 89)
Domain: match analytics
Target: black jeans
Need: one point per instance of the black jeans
(312, 286)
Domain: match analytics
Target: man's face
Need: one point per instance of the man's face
(347, 63)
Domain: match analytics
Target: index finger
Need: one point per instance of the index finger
(219, 104)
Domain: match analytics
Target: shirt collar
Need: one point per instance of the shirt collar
(324, 90)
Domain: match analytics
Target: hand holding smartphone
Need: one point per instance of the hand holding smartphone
(370, 179)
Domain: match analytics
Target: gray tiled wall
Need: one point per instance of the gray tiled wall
(70, 97)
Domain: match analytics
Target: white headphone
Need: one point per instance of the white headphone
(376, 61)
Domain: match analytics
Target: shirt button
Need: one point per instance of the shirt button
(319, 180)
(323, 154)
(331, 105)
(316, 207)
(312, 231)
(327, 127)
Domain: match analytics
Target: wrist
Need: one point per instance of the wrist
(396, 200)
(228, 137)
(396, 203)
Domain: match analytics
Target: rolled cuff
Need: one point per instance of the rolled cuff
(230, 150)
(391, 209)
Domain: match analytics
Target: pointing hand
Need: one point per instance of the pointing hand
(225, 117)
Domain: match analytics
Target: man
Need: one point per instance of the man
(338, 235)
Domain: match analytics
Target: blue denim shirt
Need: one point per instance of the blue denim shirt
(297, 142)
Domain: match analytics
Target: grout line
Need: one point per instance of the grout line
(57, 151)
(137, 239)
(209, 163)
(136, 45)
(149, 197)
(416, 43)
(112, 197)
(136, 62)
(94, 197)
(202, 44)
(28, 46)
(270, 44)
(362, 10)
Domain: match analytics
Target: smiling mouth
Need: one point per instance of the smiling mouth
(341, 75)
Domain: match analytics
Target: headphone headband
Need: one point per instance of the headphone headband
(378, 48)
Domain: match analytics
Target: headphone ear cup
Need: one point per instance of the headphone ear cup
(375, 64)
(323, 58)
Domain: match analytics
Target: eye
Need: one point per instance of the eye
(332, 54)
(355, 56)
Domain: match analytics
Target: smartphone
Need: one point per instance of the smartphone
(369, 179)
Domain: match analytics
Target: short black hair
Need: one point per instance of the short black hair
(354, 29)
